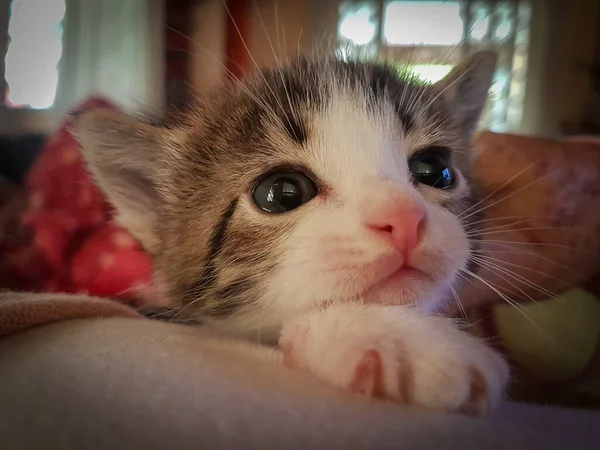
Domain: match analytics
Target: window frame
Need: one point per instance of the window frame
(4, 21)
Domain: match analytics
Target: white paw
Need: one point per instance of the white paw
(398, 354)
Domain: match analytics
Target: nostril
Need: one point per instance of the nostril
(385, 228)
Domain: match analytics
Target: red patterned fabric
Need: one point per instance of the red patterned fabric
(72, 245)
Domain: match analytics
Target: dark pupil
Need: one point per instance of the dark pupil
(285, 195)
(284, 191)
(432, 170)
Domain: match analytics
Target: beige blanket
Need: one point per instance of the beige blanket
(20, 311)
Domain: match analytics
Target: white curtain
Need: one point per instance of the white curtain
(113, 48)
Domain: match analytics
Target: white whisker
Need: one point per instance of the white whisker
(499, 270)
(529, 269)
(512, 250)
(506, 197)
(512, 303)
(499, 188)
(538, 244)
(519, 230)
(258, 70)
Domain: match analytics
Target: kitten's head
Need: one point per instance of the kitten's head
(322, 182)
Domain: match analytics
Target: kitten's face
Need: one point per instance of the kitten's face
(321, 183)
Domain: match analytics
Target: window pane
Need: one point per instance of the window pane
(428, 23)
(481, 23)
(34, 51)
(358, 23)
(424, 73)
(430, 73)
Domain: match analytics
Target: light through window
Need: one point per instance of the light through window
(430, 73)
(433, 35)
(34, 52)
(359, 24)
(427, 23)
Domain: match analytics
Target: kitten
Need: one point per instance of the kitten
(320, 201)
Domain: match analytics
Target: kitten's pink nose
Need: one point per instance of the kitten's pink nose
(402, 226)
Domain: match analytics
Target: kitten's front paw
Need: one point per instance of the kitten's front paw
(398, 354)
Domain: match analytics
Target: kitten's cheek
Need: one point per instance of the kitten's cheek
(440, 266)
(445, 249)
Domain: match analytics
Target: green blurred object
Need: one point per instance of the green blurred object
(553, 339)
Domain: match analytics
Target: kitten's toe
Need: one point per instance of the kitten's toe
(368, 376)
(461, 374)
(478, 402)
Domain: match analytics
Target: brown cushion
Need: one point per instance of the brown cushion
(542, 215)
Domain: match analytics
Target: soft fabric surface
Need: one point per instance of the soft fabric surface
(21, 311)
(542, 199)
(554, 344)
(554, 339)
(139, 384)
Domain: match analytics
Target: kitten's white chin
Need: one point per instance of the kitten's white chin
(400, 288)
(410, 286)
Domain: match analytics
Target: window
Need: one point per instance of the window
(435, 34)
(33, 54)
(428, 23)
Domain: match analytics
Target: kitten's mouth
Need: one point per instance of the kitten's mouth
(402, 281)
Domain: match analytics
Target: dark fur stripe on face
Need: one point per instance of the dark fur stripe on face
(217, 239)
(383, 82)
(295, 128)
(294, 90)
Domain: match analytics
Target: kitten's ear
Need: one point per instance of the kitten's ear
(466, 88)
(124, 156)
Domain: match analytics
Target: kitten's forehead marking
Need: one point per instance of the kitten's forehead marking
(352, 142)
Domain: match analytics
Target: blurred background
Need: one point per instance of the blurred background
(157, 54)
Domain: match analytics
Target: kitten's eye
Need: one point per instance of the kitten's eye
(283, 191)
(432, 168)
